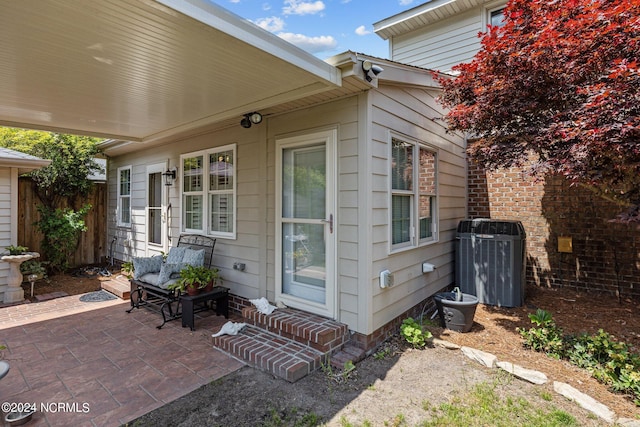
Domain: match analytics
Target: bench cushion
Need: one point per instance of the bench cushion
(167, 272)
(175, 255)
(144, 265)
(194, 257)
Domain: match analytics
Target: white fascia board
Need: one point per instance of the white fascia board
(24, 165)
(395, 20)
(394, 72)
(223, 20)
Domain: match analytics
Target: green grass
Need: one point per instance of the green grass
(291, 418)
(482, 406)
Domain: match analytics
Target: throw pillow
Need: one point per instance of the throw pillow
(144, 265)
(175, 255)
(194, 257)
(165, 273)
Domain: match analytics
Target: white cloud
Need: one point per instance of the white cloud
(271, 23)
(405, 2)
(362, 31)
(298, 7)
(266, 6)
(310, 44)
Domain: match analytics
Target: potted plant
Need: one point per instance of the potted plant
(17, 250)
(193, 279)
(211, 277)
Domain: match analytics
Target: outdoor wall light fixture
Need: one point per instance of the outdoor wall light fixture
(170, 176)
(370, 70)
(249, 119)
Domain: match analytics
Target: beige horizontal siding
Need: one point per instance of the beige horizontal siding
(443, 44)
(415, 113)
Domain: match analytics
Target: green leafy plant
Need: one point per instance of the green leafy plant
(382, 353)
(33, 266)
(609, 361)
(196, 277)
(340, 376)
(61, 229)
(66, 180)
(17, 250)
(127, 269)
(546, 337)
(414, 333)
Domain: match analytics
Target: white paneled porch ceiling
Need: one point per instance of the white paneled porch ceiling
(143, 70)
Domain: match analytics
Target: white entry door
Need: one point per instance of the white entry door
(157, 227)
(305, 222)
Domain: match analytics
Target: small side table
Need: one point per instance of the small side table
(192, 304)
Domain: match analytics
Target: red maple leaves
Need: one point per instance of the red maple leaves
(561, 80)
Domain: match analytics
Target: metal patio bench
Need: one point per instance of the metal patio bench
(147, 292)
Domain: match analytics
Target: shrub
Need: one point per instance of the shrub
(547, 337)
(61, 229)
(609, 361)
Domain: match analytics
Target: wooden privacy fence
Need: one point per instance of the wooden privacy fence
(92, 248)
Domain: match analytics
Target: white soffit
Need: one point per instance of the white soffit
(142, 70)
(421, 16)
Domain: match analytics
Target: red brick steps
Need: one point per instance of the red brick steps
(287, 343)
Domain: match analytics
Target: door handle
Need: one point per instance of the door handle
(330, 222)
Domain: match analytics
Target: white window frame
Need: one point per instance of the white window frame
(414, 194)
(122, 197)
(207, 193)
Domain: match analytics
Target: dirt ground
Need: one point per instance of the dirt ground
(400, 380)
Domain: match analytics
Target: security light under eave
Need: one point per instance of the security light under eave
(370, 70)
(249, 119)
(255, 118)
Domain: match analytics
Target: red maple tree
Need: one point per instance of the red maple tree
(558, 80)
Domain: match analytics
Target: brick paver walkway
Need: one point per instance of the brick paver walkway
(92, 364)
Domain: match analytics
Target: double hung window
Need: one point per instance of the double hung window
(124, 196)
(413, 194)
(209, 192)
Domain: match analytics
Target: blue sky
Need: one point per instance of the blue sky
(323, 27)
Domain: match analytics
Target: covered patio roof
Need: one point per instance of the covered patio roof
(143, 70)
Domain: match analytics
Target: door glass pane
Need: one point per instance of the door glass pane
(304, 183)
(303, 235)
(304, 269)
(154, 222)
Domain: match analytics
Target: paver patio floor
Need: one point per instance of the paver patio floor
(93, 364)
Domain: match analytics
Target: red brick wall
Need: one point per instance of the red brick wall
(606, 255)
